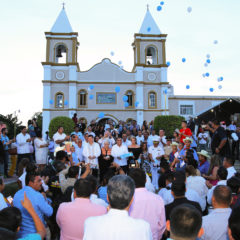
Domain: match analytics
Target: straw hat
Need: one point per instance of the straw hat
(174, 144)
(187, 139)
(204, 153)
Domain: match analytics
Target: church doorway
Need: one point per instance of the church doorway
(104, 120)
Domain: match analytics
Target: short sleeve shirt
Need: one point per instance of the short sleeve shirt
(187, 132)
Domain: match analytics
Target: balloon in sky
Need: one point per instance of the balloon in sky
(187, 87)
(183, 60)
(207, 74)
(162, 3)
(204, 75)
(205, 65)
(120, 62)
(66, 102)
(220, 87)
(125, 98)
(211, 89)
(168, 63)
(51, 101)
(91, 87)
(126, 104)
(136, 104)
(117, 89)
(112, 53)
(165, 91)
(159, 8)
(101, 115)
(215, 42)
(149, 29)
(208, 61)
(208, 56)
(189, 9)
(91, 97)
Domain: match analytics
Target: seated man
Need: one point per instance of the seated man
(117, 224)
(185, 223)
(215, 224)
(40, 204)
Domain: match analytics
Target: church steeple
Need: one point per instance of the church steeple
(62, 24)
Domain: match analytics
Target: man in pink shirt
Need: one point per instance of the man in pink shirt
(71, 216)
(147, 205)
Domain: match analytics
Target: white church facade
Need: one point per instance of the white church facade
(66, 88)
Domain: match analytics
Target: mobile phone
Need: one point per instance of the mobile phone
(133, 165)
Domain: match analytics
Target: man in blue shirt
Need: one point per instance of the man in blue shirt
(6, 142)
(41, 206)
(188, 141)
(77, 133)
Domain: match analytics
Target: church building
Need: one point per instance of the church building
(146, 89)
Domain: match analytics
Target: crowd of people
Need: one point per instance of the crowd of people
(124, 181)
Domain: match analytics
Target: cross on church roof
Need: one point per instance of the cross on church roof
(147, 7)
(63, 5)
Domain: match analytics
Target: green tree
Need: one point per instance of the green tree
(168, 123)
(66, 122)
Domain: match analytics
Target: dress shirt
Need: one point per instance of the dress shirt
(116, 225)
(57, 136)
(96, 200)
(198, 184)
(139, 140)
(231, 172)
(153, 213)
(40, 205)
(215, 224)
(210, 191)
(92, 150)
(3, 203)
(23, 146)
(71, 217)
(127, 143)
(204, 167)
(117, 152)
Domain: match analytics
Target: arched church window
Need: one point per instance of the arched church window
(130, 96)
(82, 98)
(61, 54)
(152, 99)
(59, 100)
(151, 56)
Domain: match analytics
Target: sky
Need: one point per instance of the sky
(106, 26)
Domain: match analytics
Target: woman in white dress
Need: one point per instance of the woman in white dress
(41, 150)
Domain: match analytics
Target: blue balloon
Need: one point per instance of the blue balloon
(205, 65)
(101, 115)
(51, 101)
(149, 29)
(162, 3)
(91, 97)
(189, 9)
(117, 89)
(136, 104)
(215, 42)
(220, 87)
(125, 98)
(208, 61)
(91, 87)
(112, 53)
(221, 78)
(208, 56)
(211, 89)
(165, 91)
(168, 63)
(183, 60)
(126, 104)
(204, 75)
(159, 8)
(119, 62)
(66, 102)
(187, 87)
(207, 74)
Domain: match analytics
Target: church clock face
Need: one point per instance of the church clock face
(152, 76)
(60, 75)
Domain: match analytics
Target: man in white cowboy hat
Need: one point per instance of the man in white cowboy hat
(155, 154)
(188, 141)
(203, 162)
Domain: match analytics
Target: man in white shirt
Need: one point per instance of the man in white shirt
(222, 176)
(202, 140)
(117, 224)
(24, 141)
(91, 152)
(107, 137)
(119, 150)
(59, 137)
(79, 150)
(162, 138)
(125, 140)
(155, 154)
(153, 135)
(139, 138)
(215, 224)
(228, 163)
